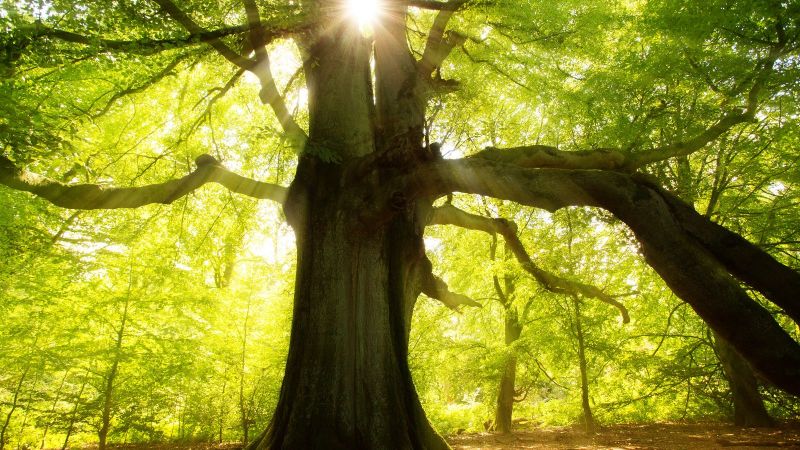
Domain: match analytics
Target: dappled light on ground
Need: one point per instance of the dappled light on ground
(651, 437)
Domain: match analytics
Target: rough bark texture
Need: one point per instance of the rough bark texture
(693, 271)
(347, 377)
(347, 383)
(748, 406)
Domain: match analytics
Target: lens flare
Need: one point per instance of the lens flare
(365, 12)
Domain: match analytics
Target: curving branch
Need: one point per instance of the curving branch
(192, 27)
(540, 156)
(440, 43)
(435, 288)
(450, 215)
(620, 159)
(691, 269)
(94, 196)
(269, 94)
(142, 86)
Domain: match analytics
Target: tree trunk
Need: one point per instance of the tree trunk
(14, 405)
(748, 406)
(506, 396)
(111, 378)
(74, 415)
(53, 407)
(588, 418)
(347, 383)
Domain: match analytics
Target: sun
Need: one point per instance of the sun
(365, 12)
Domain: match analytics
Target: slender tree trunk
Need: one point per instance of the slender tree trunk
(73, 416)
(14, 405)
(222, 406)
(588, 418)
(748, 406)
(506, 396)
(53, 407)
(243, 413)
(111, 377)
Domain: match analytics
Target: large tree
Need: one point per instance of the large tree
(670, 78)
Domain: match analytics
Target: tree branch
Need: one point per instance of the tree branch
(450, 215)
(144, 46)
(439, 43)
(435, 288)
(619, 159)
(94, 196)
(269, 94)
(143, 86)
(690, 269)
(434, 5)
(192, 27)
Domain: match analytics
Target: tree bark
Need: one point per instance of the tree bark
(588, 418)
(73, 417)
(669, 242)
(506, 396)
(14, 405)
(748, 405)
(347, 383)
(111, 378)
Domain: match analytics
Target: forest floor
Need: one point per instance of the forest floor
(616, 437)
(638, 437)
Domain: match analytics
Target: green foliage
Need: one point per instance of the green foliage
(174, 321)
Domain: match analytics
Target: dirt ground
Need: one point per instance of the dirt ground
(617, 437)
(639, 437)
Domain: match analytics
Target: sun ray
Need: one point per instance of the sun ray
(364, 12)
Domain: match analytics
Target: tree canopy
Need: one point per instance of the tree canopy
(603, 195)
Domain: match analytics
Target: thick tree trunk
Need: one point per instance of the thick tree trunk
(748, 406)
(347, 383)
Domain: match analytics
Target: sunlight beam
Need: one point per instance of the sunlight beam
(364, 12)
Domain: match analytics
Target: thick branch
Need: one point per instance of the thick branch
(685, 148)
(140, 46)
(439, 43)
(93, 196)
(269, 95)
(535, 156)
(540, 156)
(450, 215)
(618, 159)
(744, 260)
(690, 269)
